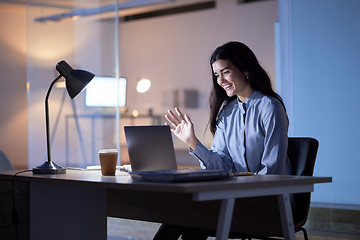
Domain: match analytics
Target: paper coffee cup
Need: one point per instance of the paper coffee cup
(108, 160)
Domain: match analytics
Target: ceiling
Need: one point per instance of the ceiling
(95, 7)
(82, 4)
(75, 8)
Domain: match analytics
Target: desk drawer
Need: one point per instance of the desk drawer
(21, 197)
(7, 229)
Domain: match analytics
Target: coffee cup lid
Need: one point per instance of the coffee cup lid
(108, 151)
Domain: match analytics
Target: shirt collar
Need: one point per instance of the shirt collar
(249, 101)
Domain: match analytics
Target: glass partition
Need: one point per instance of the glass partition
(125, 42)
(85, 35)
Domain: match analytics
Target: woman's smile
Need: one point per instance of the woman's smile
(227, 86)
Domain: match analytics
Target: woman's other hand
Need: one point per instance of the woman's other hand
(182, 127)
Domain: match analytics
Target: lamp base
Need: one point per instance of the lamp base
(49, 168)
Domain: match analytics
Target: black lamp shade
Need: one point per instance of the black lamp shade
(76, 80)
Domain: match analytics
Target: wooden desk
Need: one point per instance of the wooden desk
(77, 203)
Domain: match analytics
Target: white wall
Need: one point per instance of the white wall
(13, 99)
(324, 88)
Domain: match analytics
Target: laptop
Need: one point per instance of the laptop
(152, 157)
(150, 148)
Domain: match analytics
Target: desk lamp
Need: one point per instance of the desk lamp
(76, 81)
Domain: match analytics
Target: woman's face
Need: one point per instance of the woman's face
(230, 78)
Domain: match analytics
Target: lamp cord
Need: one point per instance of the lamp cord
(14, 213)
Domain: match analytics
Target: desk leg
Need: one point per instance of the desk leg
(64, 211)
(225, 217)
(286, 216)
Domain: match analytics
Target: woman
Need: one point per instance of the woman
(247, 119)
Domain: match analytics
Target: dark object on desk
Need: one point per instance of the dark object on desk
(244, 173)
(76, 81)
(302, 153)
(181, 175)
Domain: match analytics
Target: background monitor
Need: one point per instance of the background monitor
(106, 92)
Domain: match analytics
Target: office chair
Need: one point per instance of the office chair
(302, 153)
(5, 163)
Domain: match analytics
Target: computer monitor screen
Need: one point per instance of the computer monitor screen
(106, 92)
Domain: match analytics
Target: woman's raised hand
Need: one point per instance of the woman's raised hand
(182, 127)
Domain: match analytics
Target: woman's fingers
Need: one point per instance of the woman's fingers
(179, 113)
(173, 117)
(176, 119)
(170, 120)
(187, 119)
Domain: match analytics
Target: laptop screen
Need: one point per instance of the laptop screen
(150, 148)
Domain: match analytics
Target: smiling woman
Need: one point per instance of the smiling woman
(242, 59)
(248, 121)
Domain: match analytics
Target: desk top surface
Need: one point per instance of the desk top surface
(123, 180)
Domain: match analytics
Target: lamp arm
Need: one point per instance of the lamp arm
(47, 118)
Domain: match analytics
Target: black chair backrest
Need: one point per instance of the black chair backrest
(302, 153)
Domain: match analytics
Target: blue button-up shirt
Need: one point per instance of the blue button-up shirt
(250, 136)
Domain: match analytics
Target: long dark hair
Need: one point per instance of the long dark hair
(245, 60)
